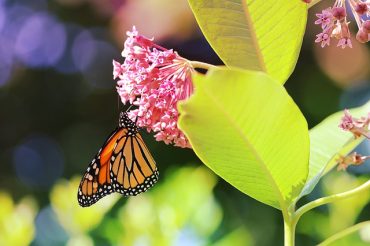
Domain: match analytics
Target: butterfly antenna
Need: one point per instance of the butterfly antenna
(129, 108)
(118, 104)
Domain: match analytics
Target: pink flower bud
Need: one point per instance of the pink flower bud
(353, 159)
(361, 8)
(339, 13)
(362, 36)
(366, 26)
(307, 1)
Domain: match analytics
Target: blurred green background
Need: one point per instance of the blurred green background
(58, 103)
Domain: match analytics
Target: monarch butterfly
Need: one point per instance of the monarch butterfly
(123, 164)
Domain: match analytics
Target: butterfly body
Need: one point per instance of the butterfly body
(123, 164)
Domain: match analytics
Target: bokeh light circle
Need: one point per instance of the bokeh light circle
(38, 161)
(48, 229)
(41, 41)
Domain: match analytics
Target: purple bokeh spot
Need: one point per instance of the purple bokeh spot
(2, 17)
(83, 50)
(38, 161)
(92, 55)
(99, 71)
(6, 61)
(15, 18)
(66, 64)
(41, 41)
(11, 20)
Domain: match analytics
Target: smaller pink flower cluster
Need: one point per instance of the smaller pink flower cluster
(334, 23)
(353, 159)
(359, 127)
(154, 79)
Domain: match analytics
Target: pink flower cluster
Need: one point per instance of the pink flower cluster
(154, 79)
(359, 127)
(334, 23)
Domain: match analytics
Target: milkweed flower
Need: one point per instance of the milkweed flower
(154, 79)
(353, 159)
(359, 127)
(334, 23)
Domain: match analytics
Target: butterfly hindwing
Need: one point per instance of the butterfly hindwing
(133, 169)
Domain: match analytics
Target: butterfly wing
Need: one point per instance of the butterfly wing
(96, 182)
(133, 169)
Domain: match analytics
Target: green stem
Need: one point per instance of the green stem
(289, 226)
(329, 199)
(313, 3)
(289, 232)
(344, 233)
(202, 65)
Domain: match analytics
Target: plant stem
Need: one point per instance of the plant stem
(289, 232)
(202, 65)
(313, 3)
(289, 225)
(344, 233)
(332, 198)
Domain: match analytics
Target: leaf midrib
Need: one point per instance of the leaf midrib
(253, 35)
(248, 144)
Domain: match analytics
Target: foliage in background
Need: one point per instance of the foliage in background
(16, 220)
(158, 217)
(339, 216)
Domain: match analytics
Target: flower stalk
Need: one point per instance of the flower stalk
(329, 199)
(291, 219)
(201, 65)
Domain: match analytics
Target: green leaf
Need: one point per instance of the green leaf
(328, 142)
(255, 35)
(238, 237)
(247, 129)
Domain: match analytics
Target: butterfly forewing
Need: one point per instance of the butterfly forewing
(124, 164)
(96, 182)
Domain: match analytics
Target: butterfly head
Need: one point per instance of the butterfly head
(125, 121)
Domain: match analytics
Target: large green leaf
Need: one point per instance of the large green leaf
(247, 129)
(328, 141)
(256, 35)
